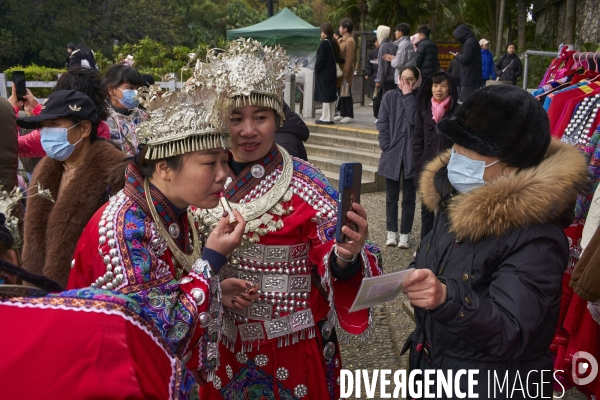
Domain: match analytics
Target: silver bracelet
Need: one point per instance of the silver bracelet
(350, 261)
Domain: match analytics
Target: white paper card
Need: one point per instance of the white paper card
(379, 289)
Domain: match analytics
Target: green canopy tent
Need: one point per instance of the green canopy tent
(299, 38)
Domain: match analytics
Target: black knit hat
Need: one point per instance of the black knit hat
(501, 121)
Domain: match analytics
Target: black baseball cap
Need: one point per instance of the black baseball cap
(62, 103)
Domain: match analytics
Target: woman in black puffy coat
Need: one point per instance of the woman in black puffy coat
(486, 287)
(509, 66)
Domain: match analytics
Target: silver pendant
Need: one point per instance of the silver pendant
(174, 231)
(258, 171)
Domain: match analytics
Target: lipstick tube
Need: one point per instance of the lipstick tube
(227, 207)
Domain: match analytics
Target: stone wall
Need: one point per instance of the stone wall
(550, 22)
(588, 21)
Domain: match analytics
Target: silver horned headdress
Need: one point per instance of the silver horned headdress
(255, 72)
(194, 118)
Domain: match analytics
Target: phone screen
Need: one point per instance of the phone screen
(18, 78)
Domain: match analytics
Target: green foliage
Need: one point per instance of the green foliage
(37, 73)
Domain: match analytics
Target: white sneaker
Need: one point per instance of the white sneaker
(404, 238)
(346, 120)
(370, 104)
(375, 121)
(391, 239)
(337, 118)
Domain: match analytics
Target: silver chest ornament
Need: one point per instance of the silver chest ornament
(257, 171)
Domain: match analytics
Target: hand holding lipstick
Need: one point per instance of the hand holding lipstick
(225, 238)
(226, 206)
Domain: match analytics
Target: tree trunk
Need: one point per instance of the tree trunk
(522, 24)
(500, 27)
(570, 22)
(493, 18)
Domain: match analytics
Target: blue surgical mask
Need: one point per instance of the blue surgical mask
(56, 144)
(466, 174)
(129, 98)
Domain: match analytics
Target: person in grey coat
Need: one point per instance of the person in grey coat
(385, 72)
(396, 125)
(405, 55)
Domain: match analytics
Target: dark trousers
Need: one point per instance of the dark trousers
(409, 197)
(467, 91)
(377, 102)
(346, 106)
(427, 219)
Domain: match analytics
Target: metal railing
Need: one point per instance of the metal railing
(4, 84)
(528, 53)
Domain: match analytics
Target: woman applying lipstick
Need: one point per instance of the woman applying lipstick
(144, 243)
(286, 344)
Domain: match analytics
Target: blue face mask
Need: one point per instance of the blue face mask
(129, 98)
(466, 174)
(56, 144)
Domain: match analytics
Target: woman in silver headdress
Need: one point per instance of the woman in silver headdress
(144, 243)
(285, 345)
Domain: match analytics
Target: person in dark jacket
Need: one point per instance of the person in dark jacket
(292, 133)
(328, 55)
(486, 287)
(371, 74)
(509, 67)
(438, 100)
(395, 125)
(455, 69)
(82, 56)
(9, 146)
(385, 72)
(427, 53)
(471, 61)
(487, 62)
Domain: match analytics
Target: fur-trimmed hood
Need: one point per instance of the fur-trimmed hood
(53, 229)
(535, 195)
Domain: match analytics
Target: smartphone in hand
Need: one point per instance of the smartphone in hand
(349, 192)
(18, 78)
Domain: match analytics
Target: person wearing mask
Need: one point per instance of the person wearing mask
(470, 59)
(328, 54)
(438, 100)
(427, 53)
(396, 128)
(121, 83)
(81, 79)
(78, 173)
(487, 62)
(289, 335)
(487, 281)
(405, 55)
(347, 59)
(509, 67)
(144, 242)
(385, 72)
